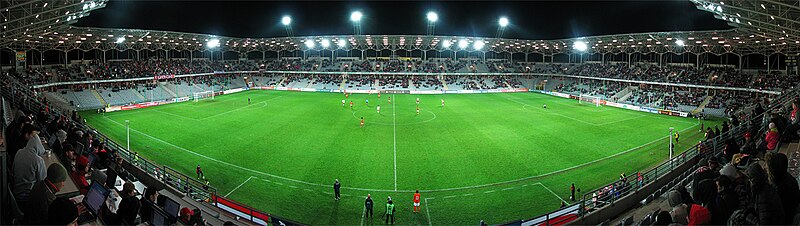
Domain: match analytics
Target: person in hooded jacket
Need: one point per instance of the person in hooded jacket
(705, 194)
(29, 168)
(784, 183)
(765, 200)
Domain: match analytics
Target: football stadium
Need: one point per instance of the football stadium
(131, 126)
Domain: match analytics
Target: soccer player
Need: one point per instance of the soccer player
(248, 100)
(379, 95)
(442, 103)
(342, 102)
(199, 172)
(544, 106)
(390, 100)
(351, 105)
(417, 100)
(379, 109)
(417, 109)
(389, 211)
(362, 122)
(416, 202)
(346, 95)
(677, 136)
(367, 101)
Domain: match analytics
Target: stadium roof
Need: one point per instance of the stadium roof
(40, 25)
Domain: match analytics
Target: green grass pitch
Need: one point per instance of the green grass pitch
(493, 157)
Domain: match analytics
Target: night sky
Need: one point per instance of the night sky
(529, 20)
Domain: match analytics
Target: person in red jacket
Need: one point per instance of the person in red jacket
(79, 174)
(772, 137)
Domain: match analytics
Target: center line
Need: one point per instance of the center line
(394, 123)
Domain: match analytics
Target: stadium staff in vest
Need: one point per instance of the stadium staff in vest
(677, 136)
(389, 211)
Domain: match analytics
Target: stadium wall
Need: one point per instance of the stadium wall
(618, 105)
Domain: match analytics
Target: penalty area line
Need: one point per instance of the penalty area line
(237, 187)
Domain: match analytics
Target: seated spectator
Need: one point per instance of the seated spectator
(62, 212)
(728, 199)
(43, 193)
(29, 168)
(79, 174)
(772, 137)
(784, 182)
(69, 156)
(147, 203)
(129, 206)
(191, 217)
(766, 201)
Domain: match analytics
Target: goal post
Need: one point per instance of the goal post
(586, 99)
(202, 95)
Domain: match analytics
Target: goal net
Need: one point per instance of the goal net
(202, 95)
(586, 99)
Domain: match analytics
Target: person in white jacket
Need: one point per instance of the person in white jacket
(29, 168)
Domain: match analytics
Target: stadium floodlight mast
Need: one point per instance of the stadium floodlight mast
(120, 40)
(463, 43)
(356, 18)
(478, 45)
(128, 128)
(580, 46)
(680, 43)
(287, 24)
(432, 18)
(503, 22)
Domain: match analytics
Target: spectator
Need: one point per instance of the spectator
(43, 193)
(79, 174)
(129, 206)
(731, 148)
(728, 199)
(62, 212)
(766, 201)
(663, 218)
(191, 217)
(784, 182)
(772, 137)
(29, 168)
(706, 195)
(147, 202)
(698, 215)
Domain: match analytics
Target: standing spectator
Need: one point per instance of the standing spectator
(129, 206)
(368, 207)
(572, 192)
(767, 203)
(728, 199)
(62, 212)
(199, 172)
(43, 193)
(29, 168)
(389, 211)
(336, 186)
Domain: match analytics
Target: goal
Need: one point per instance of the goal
(202, 95)
(586, 99)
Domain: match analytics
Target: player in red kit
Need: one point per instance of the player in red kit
(351, 105)
(417, 109)
(416, 202)
(362, 122)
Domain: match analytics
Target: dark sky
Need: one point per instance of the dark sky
(529, 20)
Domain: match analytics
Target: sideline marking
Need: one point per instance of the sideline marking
(394, 122)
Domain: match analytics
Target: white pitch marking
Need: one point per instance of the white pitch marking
(237, 187)
(394, 123)
(428, 211)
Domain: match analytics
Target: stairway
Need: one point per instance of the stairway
(703, 104)
(141, 97)
(99, 97)
(344, 81)
(624, 94)
(163, 86)
(441, 79)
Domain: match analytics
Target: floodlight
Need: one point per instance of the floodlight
(680, 43)
(286, 20)
(310, 43)
(120, 39)
(579, 45)
(719, 9)
(478, 45)
(325, 43)
(463, 44)
(213, 43)
(86, 6)
(432, 17)
(446, 43)
(342, 43)
(356, 16)
(503, 21)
